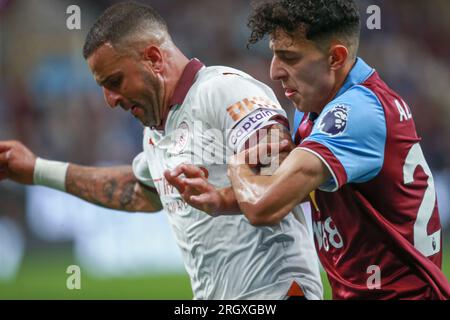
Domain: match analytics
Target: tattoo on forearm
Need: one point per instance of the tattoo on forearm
(127, 195)
(109, 189)
(115, 188)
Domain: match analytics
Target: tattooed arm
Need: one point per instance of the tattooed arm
(114, 188)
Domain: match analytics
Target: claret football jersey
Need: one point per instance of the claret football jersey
(376, 221)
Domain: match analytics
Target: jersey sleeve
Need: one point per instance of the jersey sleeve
(239, 106)
(141, 171)
(349, 137)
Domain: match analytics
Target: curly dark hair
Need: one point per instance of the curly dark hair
(319, 18)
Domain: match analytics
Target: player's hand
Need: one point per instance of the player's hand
(195, 189)
(263, 155)
(16, 162)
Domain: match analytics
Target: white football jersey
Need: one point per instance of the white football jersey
(226, 257)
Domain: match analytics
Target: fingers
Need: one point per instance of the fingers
(201, 200)
(286, 145)
(6, 145)
(198, 183)
(4, 158)
(191, 171)
(177, 171)
(274, 148)
(263, 152)
(175, 181)
(194, 186)
(197, 187)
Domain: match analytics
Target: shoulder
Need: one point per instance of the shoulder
(355, 111)
(210, 76)
(350, 135)
(366, 109)
(224, 94)
(358, 97)
(228, 84)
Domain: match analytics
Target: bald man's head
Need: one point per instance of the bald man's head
(128, 27)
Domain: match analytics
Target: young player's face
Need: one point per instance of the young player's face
(303, 70)
(129, 83)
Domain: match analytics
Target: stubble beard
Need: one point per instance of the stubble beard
(153, 104)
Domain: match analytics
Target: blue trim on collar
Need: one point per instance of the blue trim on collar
(360, 72)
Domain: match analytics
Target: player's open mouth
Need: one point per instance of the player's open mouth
(289, 92)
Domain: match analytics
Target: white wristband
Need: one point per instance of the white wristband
(51, 174)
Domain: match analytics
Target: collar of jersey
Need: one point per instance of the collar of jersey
(360, 72)
(186, 81)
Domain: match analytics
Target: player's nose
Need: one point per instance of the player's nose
(113, 99)
(277, 72)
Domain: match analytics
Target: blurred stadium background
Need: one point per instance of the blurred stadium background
(49, 101)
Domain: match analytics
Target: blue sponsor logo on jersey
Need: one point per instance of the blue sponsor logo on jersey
(334, 121)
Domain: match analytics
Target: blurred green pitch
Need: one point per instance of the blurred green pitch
(44, 277)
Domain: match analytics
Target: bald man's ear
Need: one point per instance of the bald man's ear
(338, 56)
(154, 56)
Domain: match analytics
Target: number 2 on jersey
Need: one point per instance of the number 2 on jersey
(428, 245)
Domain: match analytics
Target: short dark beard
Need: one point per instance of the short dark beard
(154, 106)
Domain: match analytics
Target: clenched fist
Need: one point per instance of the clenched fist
(16, 162)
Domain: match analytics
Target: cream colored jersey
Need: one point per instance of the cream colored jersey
(226, 257)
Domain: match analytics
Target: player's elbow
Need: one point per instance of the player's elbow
(147, 207)
(263, 221)
(259, 217)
